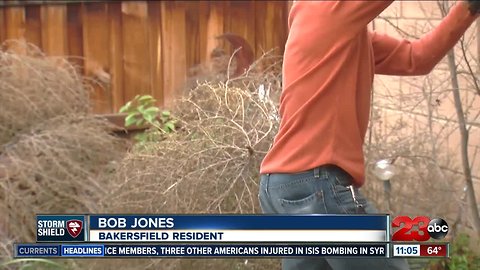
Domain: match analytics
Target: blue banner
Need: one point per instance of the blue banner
(82, 250)
(36, 250)
(239, 222)
(203, 251)
(61, 228)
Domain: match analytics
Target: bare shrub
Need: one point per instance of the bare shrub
(52, 152)
(405, 128)
(35, 88)
(210, 165)
(424, 124)
(423, 177)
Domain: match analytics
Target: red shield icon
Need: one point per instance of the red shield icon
(74, 227)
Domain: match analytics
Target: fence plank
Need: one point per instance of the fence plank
(2, 25)
(33, 25)
(278, 24)
(156, 46)
(15, 22)
(203, 13)
(289, 5)
(192, 35)
(75, 34)
(239, 20)
(270, 21)
(135, 49)
(215, 26)
(173, 39)
(15, 27)
(143, 47)
(54, 35)
(116, 55)
(96, 51)
(260, 32)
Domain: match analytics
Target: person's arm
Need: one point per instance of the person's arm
(419, 57)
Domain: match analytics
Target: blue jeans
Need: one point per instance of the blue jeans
(323, 190)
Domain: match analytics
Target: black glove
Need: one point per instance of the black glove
(474, 6)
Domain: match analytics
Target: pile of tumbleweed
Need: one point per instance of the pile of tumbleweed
(51, 150)
(211, 163)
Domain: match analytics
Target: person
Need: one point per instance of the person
(316, 164)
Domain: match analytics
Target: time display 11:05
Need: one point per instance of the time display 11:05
(406, 250)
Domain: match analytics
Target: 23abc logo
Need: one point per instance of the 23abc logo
(436, 228)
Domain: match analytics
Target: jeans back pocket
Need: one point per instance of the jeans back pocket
(312, 204)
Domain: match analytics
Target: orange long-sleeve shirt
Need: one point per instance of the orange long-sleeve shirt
(329, 63)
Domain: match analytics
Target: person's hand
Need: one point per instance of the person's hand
(474, 6)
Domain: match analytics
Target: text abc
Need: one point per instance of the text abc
(436, 228)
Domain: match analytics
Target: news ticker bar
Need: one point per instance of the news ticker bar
(229, 250)
(213, 228)
(199, 250)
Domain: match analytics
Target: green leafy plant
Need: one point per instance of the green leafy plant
(141, 111)
(462, 256)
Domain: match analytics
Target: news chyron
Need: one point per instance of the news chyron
(419, 229)
(65, 228)
(208, 236)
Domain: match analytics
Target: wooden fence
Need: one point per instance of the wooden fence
(143, 47)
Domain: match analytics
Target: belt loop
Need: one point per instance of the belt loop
(316, 172)
(267, 184)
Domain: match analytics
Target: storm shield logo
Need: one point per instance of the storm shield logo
(74, 227)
